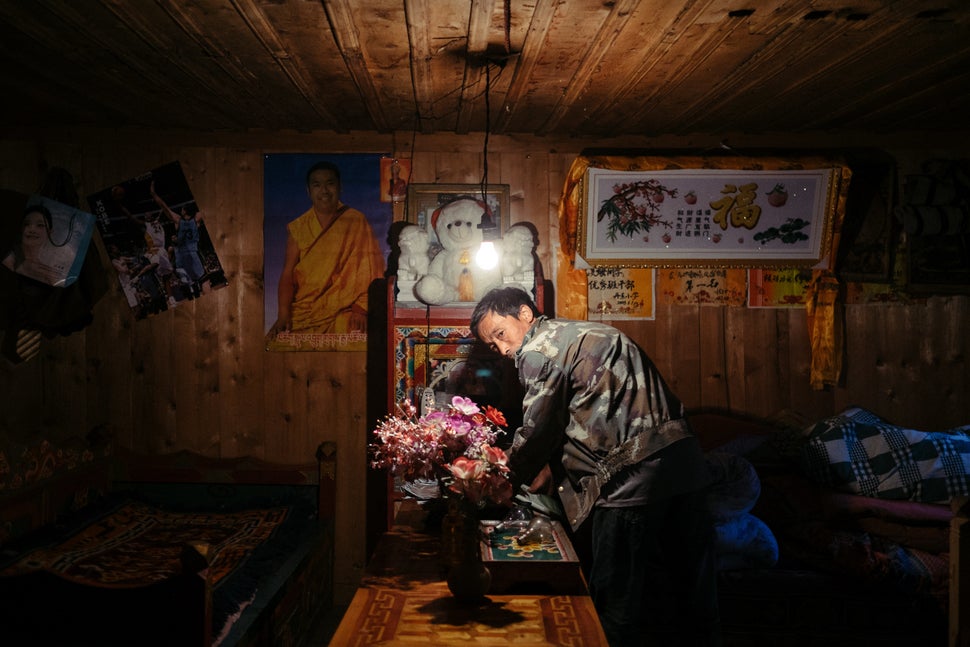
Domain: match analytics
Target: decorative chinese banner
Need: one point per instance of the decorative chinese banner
(574, 218)
(707, 217)
(702, 286)
(620, 293)
(783, 288)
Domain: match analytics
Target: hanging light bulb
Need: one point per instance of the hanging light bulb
(487, 256)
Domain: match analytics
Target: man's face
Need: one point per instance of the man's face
(324, 190)
(504, 334)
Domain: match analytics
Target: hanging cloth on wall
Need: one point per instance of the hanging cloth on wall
(824, 311)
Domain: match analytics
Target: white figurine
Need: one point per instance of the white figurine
(413, 262)
(517, 262)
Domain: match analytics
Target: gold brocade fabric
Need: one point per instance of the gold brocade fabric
(571, 297)
(334, 271)
(824, 329)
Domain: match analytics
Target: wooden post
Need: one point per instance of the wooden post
(960, 573)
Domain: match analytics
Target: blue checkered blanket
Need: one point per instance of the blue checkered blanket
(860, 453)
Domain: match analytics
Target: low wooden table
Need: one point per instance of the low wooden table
(403, 600)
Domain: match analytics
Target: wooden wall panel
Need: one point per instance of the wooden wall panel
(712, 360)
(802, 401)
(109, 363)
(160, 377)
(198, 377)
(462, 168)
(762, 361)
(535, 202)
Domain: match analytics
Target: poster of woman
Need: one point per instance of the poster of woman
(52, 242)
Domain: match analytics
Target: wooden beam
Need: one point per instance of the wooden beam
(479, 21)
(532, 46)
(418, 21)
(339, 13)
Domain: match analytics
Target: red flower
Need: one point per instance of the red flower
(495, 416)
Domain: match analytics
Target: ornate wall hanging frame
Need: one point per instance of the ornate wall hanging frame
(697, 217)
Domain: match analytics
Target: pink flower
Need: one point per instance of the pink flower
(495, 456)
(456, 447)
(464, 406)
(467, 469)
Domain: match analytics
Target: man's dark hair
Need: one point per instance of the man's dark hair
(323, 166)
(505, 302)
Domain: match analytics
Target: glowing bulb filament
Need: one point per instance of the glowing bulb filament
(487, 257)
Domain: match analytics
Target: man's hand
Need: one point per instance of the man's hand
(542, 483)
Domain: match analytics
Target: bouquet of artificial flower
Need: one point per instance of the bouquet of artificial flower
(455, 447)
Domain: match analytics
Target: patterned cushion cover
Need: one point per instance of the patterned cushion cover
(860, 453)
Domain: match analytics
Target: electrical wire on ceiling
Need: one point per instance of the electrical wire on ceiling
(507, 24)
(488, 128)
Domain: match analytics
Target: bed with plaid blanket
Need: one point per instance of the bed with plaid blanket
(860, 567)
(860, 453)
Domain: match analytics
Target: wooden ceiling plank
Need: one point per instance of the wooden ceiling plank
(623, 91)
(222, 85)
(525, 63)
(816, 53)
(840, 59)
(920, 106)
(917, 93)
(687, 56)
(479, 23)
(119, 82)
(599, 48)
(759, 48)
(228, 90)
(340, 15)
(387, 55)
(304, 30)
(932, 54)
(579, 68)
(267, 35)
(418, 21)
